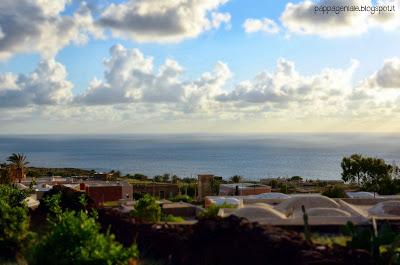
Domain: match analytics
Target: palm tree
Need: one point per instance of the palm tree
(18, 163)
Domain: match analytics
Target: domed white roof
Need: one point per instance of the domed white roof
(233, 201)
(330, 212)
(259, 211)
(361, 195)
(314, 201)
(218, 200)
(387, 208)
(272, 195)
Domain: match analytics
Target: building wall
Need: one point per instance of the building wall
(230, 191)
(102, 194)
(161, 190)
(205, 186)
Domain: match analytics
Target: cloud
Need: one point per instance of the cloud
(264, 25)
(38, 26)
(302, 18)
(285, 87)
(134, 89)
(163, 21)
(388, 76)
(46, 85)
(130, 77)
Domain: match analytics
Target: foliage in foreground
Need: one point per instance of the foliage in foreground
(14, 221)
(75, 238)
(384, 245)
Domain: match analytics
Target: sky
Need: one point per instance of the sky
(208, 66)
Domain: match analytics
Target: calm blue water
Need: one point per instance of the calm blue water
(252, 156)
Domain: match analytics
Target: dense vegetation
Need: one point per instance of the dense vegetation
(71, 237)
(14, 221)
(63, 172)
(74, 238)
(335, 191)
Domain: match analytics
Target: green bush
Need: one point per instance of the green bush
(70, 199)
(172, 218)
(147, 210)
(13, 196)
(382, 244)
(212, 210)
(336, 191)
(75, 238)
(182, 198)
(14, 229)
(14, 221)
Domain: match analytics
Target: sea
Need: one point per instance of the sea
(253, 156)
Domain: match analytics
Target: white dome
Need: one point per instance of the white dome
(272, 195)
(233, 201)
(361, 195)
(218, 200)
(259, 211)
(387, 208)
(316, 201)
(331, 212)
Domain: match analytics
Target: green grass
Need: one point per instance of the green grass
(111, 204)
(330, 240)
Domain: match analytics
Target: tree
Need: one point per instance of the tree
(175, 179)
(236, 179)
(165, 177)
(353, 168)
(18, 164)
(373, 174)
(296, 178)
(157, 178)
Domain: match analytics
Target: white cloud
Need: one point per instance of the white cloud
(134, 90)
(163, 21)
(46, 85)
(302, 18)
(130, 77)
(388, 76)
(286, 89)
(264, 25)
(38, 26)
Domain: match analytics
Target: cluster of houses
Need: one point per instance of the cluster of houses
(253, 201)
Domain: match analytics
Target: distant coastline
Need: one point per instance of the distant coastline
(314, 156)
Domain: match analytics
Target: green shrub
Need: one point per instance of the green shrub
(147, 210)
(13, 196)
(382, 244)
(75, 238)
(14, 221)
(182, 198)
(70, 199)
(172, 218)
(14, 229)
(336, 191)
(212, 210)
